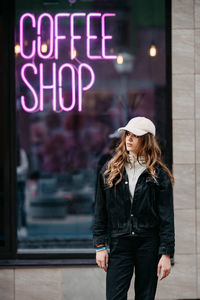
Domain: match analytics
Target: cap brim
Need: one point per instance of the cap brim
(135, 131)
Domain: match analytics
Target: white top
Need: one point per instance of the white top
(134, 172)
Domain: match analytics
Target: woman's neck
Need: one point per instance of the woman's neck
(131, 154)
(133, 158)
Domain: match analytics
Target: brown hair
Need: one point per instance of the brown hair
(147, 146)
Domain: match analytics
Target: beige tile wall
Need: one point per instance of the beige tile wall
(184, 281)
(7, 284)
(185, 278)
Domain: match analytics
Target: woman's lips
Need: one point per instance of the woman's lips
(129, 145)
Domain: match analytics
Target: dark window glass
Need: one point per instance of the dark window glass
(60, 152)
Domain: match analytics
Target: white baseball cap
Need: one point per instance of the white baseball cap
(139, 126)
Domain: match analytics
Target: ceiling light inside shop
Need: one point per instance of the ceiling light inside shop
(153, 50)
(75, 53)
(44, 48)
(17, 49)
(120, 59)
(124, 63)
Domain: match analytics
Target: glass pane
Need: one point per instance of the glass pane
(83, 69)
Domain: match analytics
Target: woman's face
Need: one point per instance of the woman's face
(131, 142)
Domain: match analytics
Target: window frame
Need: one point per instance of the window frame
(8, 254)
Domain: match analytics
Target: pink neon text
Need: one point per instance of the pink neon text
(55, 38)
(39, 101)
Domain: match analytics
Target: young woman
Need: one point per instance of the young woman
(134, 214)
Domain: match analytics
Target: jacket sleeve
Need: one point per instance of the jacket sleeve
(166, 215)
(100, 214)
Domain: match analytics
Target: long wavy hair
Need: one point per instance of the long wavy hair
(147, 147)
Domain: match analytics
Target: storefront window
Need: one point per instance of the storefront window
(82, 70)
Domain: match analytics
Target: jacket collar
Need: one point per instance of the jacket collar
(149, 178)
(125, 175)
(144, 173)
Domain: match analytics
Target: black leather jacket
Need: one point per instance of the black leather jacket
(151, 211)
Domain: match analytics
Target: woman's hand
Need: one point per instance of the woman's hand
(164, 266)
(102, 259)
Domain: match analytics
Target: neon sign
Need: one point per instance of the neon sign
(52, 54)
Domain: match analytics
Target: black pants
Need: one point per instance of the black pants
(126, 255)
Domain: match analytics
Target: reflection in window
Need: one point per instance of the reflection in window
(60, 153)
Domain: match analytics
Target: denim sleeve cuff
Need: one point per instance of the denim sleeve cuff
(99, 240)
(166, 250)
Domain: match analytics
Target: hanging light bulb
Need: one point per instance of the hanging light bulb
(120, 59)
(44, 48)
(17, 49)
(75, 53)
(152, 50)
